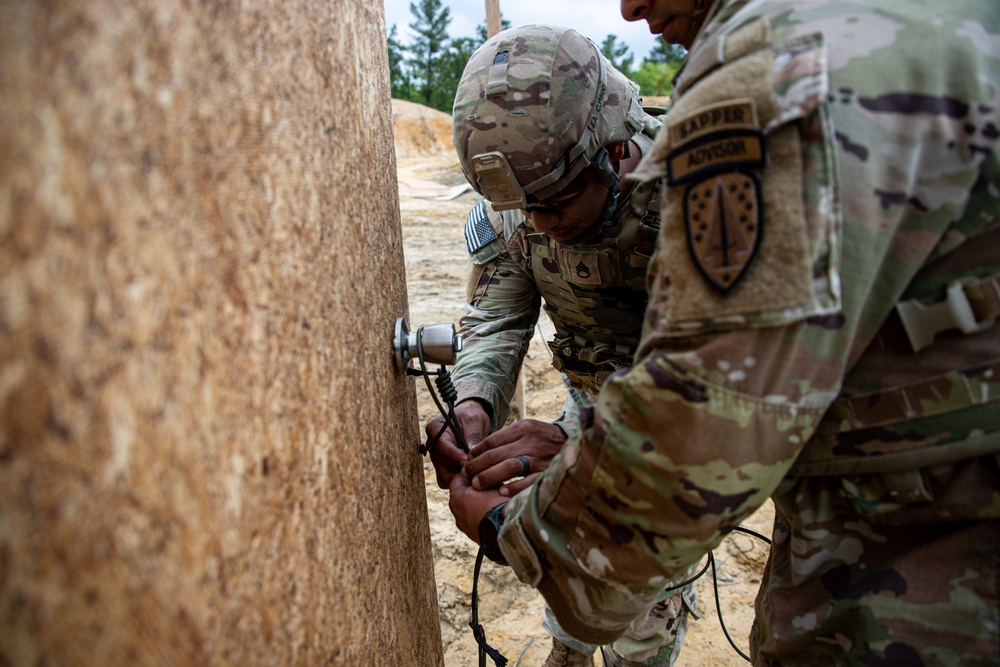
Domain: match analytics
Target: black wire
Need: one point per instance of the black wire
(477, 630)
(755, 534)
(449, 414)
(689, 581)
(434, 439)
(718, 608)
(710, 563)
(450, 419)
(426, 373)
(715, 586)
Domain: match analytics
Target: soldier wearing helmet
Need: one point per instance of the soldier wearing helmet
(545, 128)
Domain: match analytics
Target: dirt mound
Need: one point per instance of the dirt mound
(655, 100)
(419, 130)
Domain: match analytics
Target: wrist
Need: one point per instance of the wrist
(489, 533)
(474, 401)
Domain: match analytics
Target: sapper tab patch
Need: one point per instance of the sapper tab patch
(739, 114)
(723, 217)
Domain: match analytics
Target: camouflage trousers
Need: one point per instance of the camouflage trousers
(857, 578)
(655, 639)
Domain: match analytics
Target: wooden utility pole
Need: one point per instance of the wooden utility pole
(492, 17)
(178, 481)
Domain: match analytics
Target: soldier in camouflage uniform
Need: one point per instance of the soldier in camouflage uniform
(560, 232)
(822, 330)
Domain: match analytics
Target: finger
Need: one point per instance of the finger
(494, 457)
(529, 431)
(444, 478)
(447, 460)
(515, 487)
(446, 455)
(499, 473)
(504, 436)
(496, 462)
(433, 426)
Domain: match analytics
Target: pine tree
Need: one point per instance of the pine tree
(667, 53)
(481, 30)
(450, 69)
(399, 78)
(428, 48)
(618, 53)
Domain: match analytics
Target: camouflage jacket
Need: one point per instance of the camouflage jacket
(823, 161)
(594, 293)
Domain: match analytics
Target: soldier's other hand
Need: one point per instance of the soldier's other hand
(469, 506)
(445, 454)
(523, 449)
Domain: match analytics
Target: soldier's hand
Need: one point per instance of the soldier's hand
(446, 455)
(527, 446)
(470, 506)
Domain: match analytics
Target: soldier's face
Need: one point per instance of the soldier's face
(573, 212)
(673, 20)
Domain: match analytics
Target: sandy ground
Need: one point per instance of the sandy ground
(436, 263)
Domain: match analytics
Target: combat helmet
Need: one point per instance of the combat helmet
(536, 105)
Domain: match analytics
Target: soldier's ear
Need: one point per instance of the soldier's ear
(616, 151)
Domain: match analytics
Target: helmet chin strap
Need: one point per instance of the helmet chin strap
(609, 177)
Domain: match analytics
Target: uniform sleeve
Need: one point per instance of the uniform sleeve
(575, 403)
(501, 312)
(674, 456)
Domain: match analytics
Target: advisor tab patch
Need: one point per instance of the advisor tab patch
(723, 215)
(715, 153)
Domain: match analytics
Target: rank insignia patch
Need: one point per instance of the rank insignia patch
(723, 215)
(583, 267)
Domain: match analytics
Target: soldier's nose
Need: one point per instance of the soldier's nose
(633, 10)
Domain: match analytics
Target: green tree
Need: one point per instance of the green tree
(429, 47)
(399, 76)
(481, 30)
(450, 69)
(667, 53)
(618, 53)
(654, 78)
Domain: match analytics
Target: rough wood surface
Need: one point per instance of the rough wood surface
(206, 456)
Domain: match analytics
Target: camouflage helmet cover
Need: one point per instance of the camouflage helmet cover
(534, 106)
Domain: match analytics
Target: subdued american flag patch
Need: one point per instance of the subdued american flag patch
(478, 230)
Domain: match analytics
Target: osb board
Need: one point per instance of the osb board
(206, 456)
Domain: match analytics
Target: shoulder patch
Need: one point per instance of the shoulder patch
(478, 230)
(723, 216)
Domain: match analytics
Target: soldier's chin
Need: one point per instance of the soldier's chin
(583, 237)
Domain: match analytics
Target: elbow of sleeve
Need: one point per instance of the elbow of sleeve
(578, 616)
(591, 609)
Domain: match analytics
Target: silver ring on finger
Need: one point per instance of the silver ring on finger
(525, 465)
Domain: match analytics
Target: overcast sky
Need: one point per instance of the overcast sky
(594, 18)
